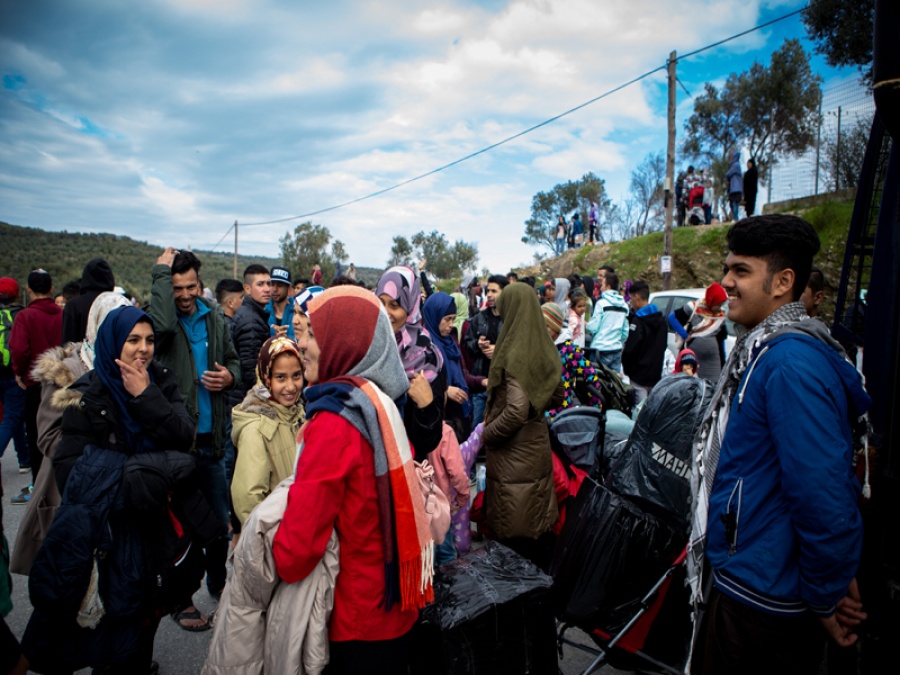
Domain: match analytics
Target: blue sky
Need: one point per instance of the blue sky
(167, 120)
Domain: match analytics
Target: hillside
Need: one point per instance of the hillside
(698, 254)
(63, 255)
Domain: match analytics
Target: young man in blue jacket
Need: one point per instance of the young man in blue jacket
(774, 491)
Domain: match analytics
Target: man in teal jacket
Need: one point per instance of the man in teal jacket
(609, 324)
(193, 340)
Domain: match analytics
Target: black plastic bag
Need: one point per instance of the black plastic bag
(653, 469)
(609, 554)
(491, 614)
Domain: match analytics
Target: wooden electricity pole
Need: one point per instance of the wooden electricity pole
(235, 249)
(670, 173)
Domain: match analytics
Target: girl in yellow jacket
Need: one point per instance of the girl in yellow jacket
(265, 425)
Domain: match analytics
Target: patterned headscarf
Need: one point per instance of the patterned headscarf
(301, 300)
(416, 350)
(271, 350)
(103, 304)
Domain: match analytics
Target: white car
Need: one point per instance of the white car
(669, 301)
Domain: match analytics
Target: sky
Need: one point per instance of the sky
(169, 120)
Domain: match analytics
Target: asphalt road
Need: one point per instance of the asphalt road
(177, 651)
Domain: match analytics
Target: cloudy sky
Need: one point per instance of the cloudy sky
(167, 120)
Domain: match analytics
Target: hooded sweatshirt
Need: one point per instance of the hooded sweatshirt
(609, 325)
(96, 278)
(642, 356)
(35, 330)
(734, 177)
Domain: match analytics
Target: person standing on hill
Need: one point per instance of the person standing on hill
(751, 183)
(735, 184)
(316, 275)
(96, 278)
(36, 329)
(561, 232)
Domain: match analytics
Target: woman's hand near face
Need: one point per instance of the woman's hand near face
(420, 391)
(136, 380)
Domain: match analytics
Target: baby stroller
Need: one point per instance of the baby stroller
(617, 566)
(576, 437)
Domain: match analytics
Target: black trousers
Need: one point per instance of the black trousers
(32, 404)
(736, 639)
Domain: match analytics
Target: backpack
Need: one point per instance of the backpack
(615, 393)
(7, 316)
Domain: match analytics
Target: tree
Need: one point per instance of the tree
(309, 245)
(843, 156)
(445, 260)
(564, 199)
(401, 252)
(647, 190)
(772, 109)
(843, 31)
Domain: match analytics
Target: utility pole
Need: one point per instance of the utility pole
(235, 249)
(666, 263)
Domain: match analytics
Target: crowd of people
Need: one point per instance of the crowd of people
(329, 437)
(695, 193)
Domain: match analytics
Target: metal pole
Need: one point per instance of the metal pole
(235, 248)
(670, 168)
(818, 144)
(837, 173)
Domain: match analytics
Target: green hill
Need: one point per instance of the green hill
(64, 254)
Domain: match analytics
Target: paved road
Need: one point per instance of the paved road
(178, 652)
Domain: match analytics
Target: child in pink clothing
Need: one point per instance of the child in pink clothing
(452, 478)
(577, 308)
(460, 527)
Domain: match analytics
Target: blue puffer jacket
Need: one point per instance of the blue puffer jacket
(784, 530)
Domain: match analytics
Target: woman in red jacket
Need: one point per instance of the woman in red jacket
(355, 475)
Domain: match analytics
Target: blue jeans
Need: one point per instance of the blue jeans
(13, 425)
(211, 481)
(446, 551)
(560, 246)
(611, 360)
(734, 200)
(479, 401)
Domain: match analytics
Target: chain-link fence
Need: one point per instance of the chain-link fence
(847, 110)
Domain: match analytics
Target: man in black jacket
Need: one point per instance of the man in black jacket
(96, 278)
(751, 185)
(484, 328)
(251, 327)
(642, 356)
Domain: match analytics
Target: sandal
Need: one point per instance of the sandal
(189, 614)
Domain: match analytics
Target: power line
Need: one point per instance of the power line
(223, 237)
(521, 133)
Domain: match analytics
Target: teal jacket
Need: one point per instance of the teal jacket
(609, 324)
(173, 350)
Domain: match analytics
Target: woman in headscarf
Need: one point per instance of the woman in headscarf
(524, 382)
(56, 369)
(265, 425)
(398, 291)
(123, 416)
(561, 298)
(701, 324)
(440, 317)
(355, 475)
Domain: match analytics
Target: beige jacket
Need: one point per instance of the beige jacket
(264, 625)
(265, 435)
(55, 370)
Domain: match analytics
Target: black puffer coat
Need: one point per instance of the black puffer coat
(248, 332)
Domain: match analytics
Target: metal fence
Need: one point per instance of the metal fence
(846, 108)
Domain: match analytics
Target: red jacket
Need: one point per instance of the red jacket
(36, 329)
(335, 488)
